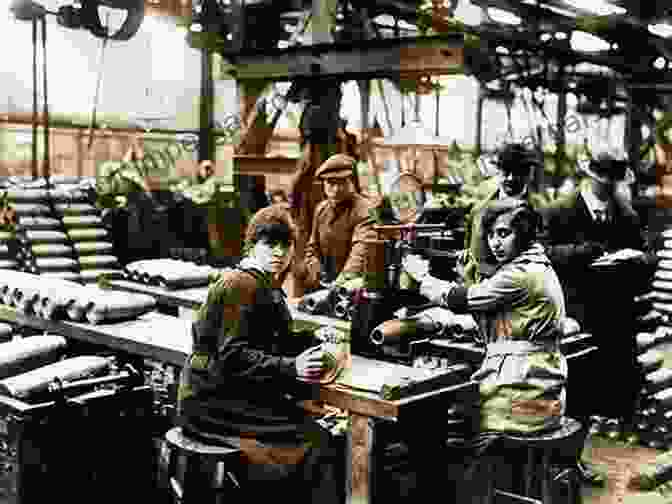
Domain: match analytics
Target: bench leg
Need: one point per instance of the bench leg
(529, 472)
(195, 485)
(546, 484)
(360, 460)
(489, 473)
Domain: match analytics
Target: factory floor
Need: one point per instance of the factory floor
(619, 461)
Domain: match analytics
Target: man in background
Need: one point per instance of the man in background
(515, 167)
(581, 227)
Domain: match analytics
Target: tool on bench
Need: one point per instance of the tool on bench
(129, 377)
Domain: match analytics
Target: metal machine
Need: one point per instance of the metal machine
(85, 440)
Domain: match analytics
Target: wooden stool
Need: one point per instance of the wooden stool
(196, 486)
(566, 440)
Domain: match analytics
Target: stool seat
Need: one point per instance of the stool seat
(179, 440)
(568, 431)
(197, 484)
(561, 445)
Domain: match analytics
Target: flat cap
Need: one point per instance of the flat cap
(337, 166)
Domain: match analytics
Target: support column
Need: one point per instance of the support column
(633, 137)
(365, 100)
(437, 101)
(206, 145)
(478, 141)
(560, 137)
(386, 106)
(322, 21)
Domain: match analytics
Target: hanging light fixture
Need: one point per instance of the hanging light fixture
(87, 14)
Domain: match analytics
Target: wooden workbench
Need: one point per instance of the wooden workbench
(168, 339)
(181, 298)
(192, 299)
(152, 335)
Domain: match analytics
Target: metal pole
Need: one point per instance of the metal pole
(47, 153)
(665, 88)
(560, 137)
(437, 115)
(33, 164)
(386, 107)
(206, 116)
(416, 105)
(479, 121)
(633, 139)
(364, 96)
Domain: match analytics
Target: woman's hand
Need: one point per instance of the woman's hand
(310, 364)
(416, 267)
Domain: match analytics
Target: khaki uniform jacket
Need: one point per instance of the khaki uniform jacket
(519, 311)
(235, 381)
(337, 241)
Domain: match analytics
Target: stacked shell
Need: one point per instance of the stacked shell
(30, 204)
(85, 229)
(169, 273)
(653, 418)
(102, 305)
(53, 298)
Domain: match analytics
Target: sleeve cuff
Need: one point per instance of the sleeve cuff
(456, 299)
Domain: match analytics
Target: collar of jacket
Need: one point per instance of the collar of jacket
(534, 254)
(249, 264)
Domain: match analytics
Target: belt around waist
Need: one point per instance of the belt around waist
(520, 347)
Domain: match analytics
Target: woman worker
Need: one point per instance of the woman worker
(241, 383)
(519, 311)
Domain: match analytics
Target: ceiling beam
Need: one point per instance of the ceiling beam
(392, 58)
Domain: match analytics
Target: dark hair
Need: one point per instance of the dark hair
(525, 221)
(274, 232)
(516, 158)
(272, 224)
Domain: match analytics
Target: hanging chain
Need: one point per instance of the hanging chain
(99, 80)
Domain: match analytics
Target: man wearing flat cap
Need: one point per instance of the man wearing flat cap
(596, 219)
(337, 249)
(515, 166)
